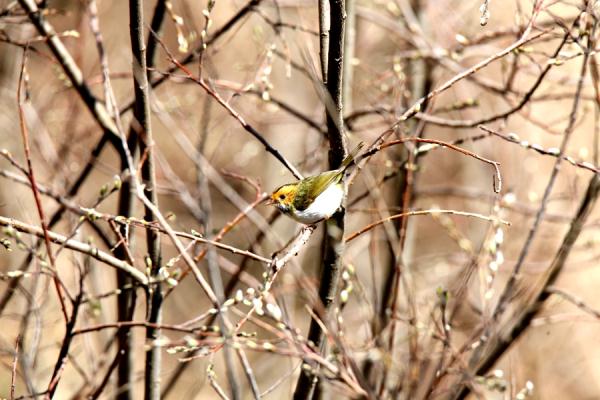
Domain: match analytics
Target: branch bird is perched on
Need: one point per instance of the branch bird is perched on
(315, 198)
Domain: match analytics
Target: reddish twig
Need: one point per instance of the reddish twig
(421, 212)
(13, 376)
(497, 182)
(36, 194)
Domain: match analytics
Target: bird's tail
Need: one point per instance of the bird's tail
(347, 162)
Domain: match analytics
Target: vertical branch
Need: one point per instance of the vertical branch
(324, 28)
(155, 25)
(333, 242)
(349, 51)
(126, 299)
(335, 70)
(142, 125)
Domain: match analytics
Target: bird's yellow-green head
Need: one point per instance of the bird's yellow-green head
(284, 196)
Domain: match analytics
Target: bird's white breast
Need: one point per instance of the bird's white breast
(324, 206)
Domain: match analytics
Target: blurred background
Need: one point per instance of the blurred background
(418, 293)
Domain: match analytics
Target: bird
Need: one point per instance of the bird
(315, 198)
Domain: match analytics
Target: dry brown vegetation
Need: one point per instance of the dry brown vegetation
(139, 140)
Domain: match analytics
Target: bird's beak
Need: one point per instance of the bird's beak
(269, 201)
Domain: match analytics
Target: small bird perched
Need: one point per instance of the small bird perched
(315, 198)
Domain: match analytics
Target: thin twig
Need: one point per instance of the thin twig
(497, 180)
(421, 212)
(553, 152)
(578, 302)
(210, 374)
(249, 128)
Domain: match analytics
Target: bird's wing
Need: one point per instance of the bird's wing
(318, 183)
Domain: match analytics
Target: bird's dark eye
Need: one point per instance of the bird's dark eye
(281, 196)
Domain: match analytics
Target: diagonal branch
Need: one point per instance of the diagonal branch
(70, 67)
